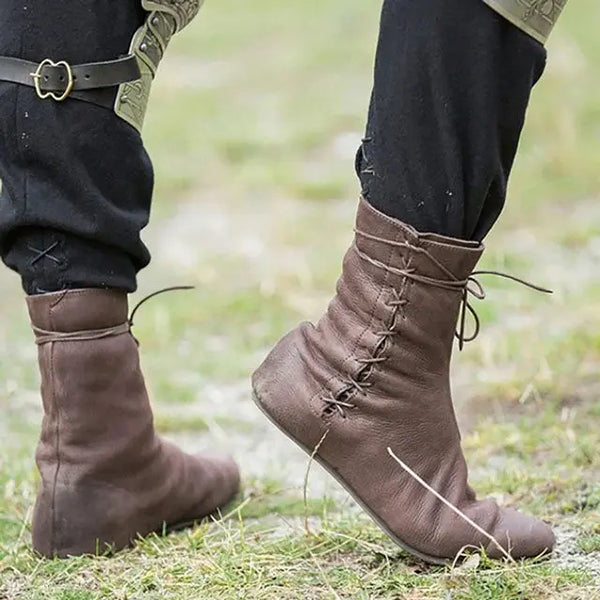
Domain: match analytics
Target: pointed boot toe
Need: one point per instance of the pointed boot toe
(221, 474)
(523, 536)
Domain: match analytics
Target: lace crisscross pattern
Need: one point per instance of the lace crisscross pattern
(359, 383)
(468, 288)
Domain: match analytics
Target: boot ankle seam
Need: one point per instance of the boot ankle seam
(57, 416)
(325, 394)
(368, 327)
(356, 385)
(401, 298)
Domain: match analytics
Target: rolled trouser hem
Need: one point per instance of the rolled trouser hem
(533, 21)
(50, 261)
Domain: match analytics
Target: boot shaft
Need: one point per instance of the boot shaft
(95, 403)
(106, 476)
(397, 299)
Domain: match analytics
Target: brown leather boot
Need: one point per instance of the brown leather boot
(106, 476)
(373, 374)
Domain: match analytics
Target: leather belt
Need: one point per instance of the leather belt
(90, 82)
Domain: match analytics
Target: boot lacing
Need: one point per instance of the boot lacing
(468, 287)
(48, 337)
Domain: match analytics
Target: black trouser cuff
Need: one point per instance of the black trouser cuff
(50, 261)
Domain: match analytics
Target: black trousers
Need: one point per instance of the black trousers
(452, 85)
(77, 182)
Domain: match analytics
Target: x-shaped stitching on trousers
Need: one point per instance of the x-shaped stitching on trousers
(44, 254)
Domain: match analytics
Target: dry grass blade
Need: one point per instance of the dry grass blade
(452, 507)
(306, 476)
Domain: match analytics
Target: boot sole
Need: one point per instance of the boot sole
(433, 560)
(179, 526)
(164, 530)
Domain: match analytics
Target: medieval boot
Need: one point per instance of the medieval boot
(107, 478)
(372, 378)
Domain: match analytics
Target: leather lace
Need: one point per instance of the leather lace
(467, 288)
(48, 337)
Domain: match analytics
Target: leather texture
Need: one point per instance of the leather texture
(107, 478)
(373, 373)
(90, 80)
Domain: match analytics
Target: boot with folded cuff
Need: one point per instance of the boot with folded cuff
(107, 478)
(371, 378)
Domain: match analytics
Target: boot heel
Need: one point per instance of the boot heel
(74, 520)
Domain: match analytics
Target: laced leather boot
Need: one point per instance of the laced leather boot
(107, 478)
(373, 375)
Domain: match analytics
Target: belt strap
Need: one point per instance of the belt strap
(89, 82)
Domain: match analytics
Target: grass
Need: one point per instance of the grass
(253, 125)
(345, 560)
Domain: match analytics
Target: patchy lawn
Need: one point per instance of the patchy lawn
(254, 122)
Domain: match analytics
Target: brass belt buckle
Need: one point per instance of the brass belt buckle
(37, 76)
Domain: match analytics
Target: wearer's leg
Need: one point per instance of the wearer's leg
(77, 182)
(366, 391)
(77, 188)
(452, 85)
